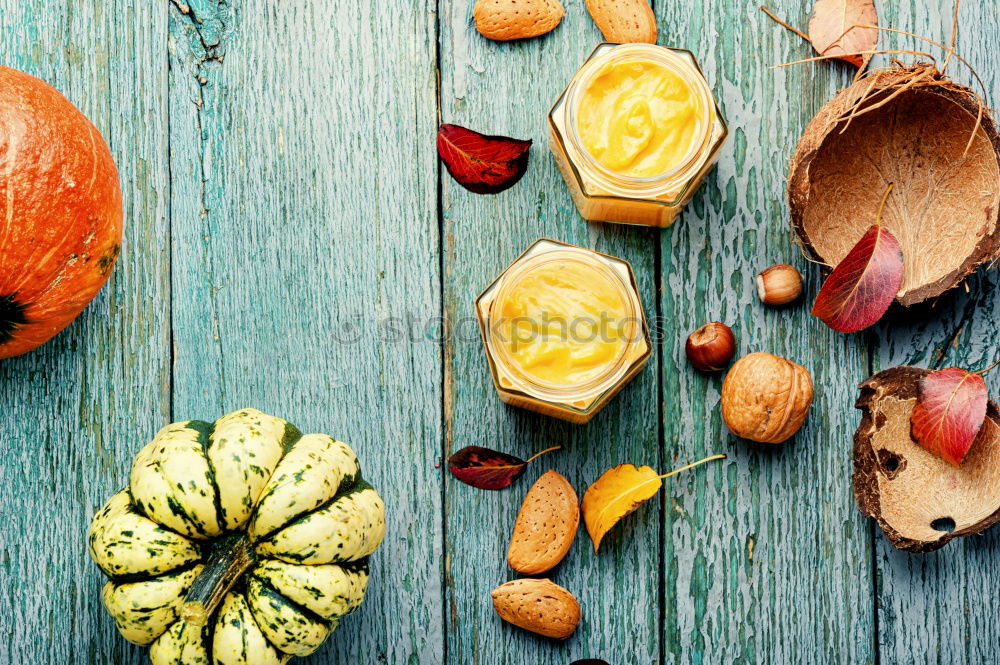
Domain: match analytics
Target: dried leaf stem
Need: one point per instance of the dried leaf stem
(783, 24)
(692, 465)
(984, 371)
(835, 42)
(680, 470)
(950, 52)
(712, 458)
(881, 205)
(537, 455)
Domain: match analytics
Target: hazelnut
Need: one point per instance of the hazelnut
(711, 347)
(779, 285)
(766, 398)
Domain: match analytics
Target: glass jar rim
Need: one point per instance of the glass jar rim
(663, 56)
(596, 385)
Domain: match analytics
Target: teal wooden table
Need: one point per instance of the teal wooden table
(284, 199)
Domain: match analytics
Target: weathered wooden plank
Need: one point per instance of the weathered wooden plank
(303, 216)
(73, 412)
(508, 89)
(292, 152)
(767, 560)
(942, 604)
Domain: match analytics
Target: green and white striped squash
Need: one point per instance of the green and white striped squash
(238, 542)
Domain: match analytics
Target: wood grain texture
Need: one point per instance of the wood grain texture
(73, 412)
(508, 89)
(291, 244)
(303, 220)
(768, 560)
(942, 604)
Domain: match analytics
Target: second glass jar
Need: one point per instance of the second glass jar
(564, 330)
(593, 139)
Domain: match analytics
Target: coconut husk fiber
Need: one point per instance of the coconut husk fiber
(920, 501)
(911, 128)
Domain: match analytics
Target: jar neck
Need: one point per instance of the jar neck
(677, 63)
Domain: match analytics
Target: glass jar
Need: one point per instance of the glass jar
(603, 319)
(601, 194)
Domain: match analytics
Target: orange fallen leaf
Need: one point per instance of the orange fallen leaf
(619, 491)
(832, 31)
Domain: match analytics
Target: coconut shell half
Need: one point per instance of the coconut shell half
(945, 203)
(920, 501)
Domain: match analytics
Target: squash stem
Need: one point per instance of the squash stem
(225, 566)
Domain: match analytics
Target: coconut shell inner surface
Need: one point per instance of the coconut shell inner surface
(920, 501)
(944, 205)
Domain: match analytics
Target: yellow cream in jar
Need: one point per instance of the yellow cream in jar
(564, 322)
(639, 119)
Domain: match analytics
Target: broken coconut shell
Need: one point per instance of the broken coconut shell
(920, 501)
(945, 203)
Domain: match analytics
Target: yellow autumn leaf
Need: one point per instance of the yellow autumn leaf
(616, 494)
(619, 491)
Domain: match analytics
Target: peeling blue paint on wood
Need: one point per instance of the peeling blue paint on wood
(283, 195)
(73, 413)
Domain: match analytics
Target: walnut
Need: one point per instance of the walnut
(766, 398)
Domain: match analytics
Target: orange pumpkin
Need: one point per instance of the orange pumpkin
(60, 212)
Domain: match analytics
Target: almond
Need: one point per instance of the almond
(545, 527)
(539, 606)
(624, 21)
(504, 20)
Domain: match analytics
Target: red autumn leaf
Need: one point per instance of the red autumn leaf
(488, 469)
(832, 31)
(950, 410)
(482, 164)
(862, 286)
